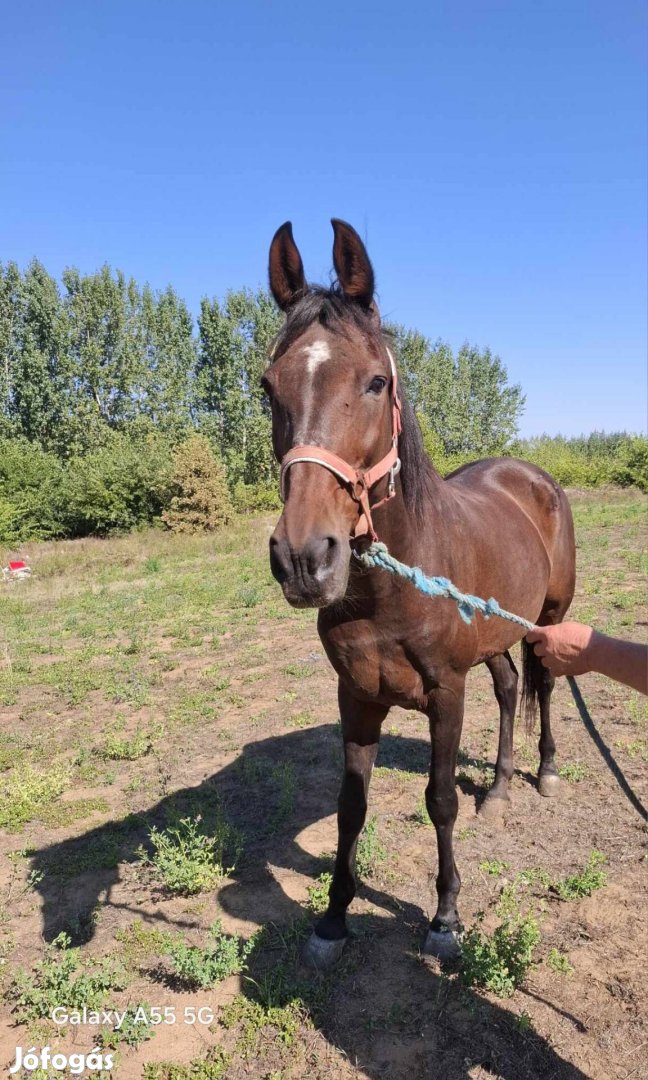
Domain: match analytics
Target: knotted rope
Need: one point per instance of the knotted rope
(377, 555)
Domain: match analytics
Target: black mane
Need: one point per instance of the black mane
(333, 310)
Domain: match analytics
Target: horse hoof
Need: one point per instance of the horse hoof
(320, 954)
(444, 944)
(493, 808)
(549, 785)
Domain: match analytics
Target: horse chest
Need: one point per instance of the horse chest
(375, 667)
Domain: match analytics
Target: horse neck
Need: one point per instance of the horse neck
(428, 530)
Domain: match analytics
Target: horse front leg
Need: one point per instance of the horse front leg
(445, 711)
(361, 723)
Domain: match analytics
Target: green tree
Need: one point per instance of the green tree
(199, 493)
(465, 400)
(234, 340)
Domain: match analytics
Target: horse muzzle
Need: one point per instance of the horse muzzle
(314, 574)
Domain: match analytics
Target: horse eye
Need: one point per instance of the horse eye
(377, 385)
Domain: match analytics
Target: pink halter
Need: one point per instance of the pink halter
(358, 481)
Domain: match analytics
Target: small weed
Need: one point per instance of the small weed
(249, 596)
(187, 860)
(125, 749)
(318, 894)
(573, 772)
(559, 962)
(301, 719)
(199, 968)
(523, 1021)
(590, 878)
(131, 1032)
(420, 815)
(152, 565)
(466, 833)
(494, 867)
(371, 851)
(499, 961)
(299, 671)
(212, 1067)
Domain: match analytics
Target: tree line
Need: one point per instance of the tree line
(96, 365)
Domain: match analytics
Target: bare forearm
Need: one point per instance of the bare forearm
(624, 661)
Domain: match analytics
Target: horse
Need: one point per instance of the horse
(353, 467)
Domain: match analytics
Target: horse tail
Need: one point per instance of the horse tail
(531, 683)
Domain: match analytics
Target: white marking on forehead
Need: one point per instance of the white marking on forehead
(316, 354)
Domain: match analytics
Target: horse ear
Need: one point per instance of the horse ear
(286, 270)
(352, 266)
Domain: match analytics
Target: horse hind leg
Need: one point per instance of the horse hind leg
(505, 683)
(538, 687)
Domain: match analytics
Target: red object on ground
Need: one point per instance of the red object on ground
(17, 565)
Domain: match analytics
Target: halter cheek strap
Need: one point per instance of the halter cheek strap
(357, 481)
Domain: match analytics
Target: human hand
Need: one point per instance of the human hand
(563, 648)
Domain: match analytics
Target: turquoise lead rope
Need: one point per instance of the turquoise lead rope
(377, 555)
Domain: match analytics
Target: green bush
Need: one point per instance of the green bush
(630, 464)
(248, 498)
(30, 480)
(115, 488)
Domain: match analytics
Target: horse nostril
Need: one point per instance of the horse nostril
(319, 553)
(278, 566)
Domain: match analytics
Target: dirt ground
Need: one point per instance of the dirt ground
(149, 678)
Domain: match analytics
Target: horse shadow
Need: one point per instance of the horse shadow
(448, 1033)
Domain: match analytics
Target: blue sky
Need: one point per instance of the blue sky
(493, 155)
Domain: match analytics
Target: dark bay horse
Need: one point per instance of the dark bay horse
(498, 527)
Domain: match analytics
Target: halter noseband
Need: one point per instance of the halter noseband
(357, 481)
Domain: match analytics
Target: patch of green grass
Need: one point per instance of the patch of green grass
(494, 867)
(139, 944)
(586, 881)
(131, 1032)
(122, 748)
(285, 784)
(559, 962)
(187, 860)
(301, 719)
(198, 968)
(59, 814)
(253, 1017)
(300, 671)
(194, 707)
(371, 852)
(11, 752)
(318, 893)
(573, 772)
(467, 833)
(62, 977)
(28, 792)
(212, 1067)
